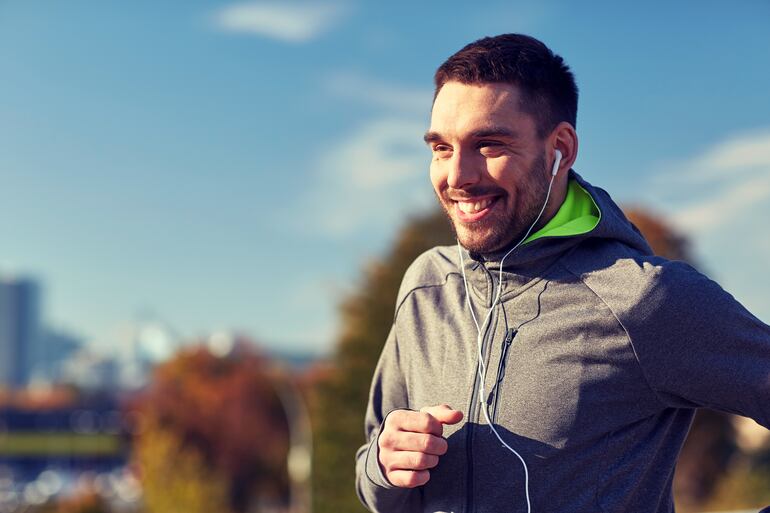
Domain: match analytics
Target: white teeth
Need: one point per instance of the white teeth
(470, 208)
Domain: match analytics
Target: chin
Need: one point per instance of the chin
(479, 241)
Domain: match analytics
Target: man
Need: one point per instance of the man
(572, 358)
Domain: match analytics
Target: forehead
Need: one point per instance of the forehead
(461, 109)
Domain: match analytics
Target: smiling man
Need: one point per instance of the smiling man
(489, 168)
(572, 358)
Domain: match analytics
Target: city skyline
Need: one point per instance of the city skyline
(233, 166)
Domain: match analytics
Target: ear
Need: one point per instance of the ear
(565, 139)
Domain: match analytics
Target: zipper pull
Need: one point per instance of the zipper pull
(508, 340)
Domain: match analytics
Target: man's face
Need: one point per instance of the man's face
(488, 168)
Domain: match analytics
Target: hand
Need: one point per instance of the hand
(411, 442)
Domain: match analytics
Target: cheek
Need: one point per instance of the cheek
(437, 177)
(504, 174)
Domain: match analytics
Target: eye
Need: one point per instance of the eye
(441, 149)
(490, 148)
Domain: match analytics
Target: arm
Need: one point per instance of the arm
(388, 392)
(698, 346)
(403, 445)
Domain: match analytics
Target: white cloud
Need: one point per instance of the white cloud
(749, 150)
(724, 184)
(741, 154)
(720, 198)
(724, 206)
(294, 22)
(372, 178)
(353, 86)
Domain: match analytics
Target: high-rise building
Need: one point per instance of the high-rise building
(19, 330)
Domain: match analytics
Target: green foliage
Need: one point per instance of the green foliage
(367, 315)
(175, 478)
(747, 486)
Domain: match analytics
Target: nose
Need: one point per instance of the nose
(463, 171)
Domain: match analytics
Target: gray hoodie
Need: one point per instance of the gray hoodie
(596, 360)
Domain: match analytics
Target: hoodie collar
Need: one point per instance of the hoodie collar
(587, 212)
(577, 215)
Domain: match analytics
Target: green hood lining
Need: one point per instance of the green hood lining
(578, 214)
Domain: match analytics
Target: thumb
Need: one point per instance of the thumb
(444, 413)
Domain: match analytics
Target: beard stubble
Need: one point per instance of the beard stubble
(495, 234)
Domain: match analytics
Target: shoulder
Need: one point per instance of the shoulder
(430, 269)
(640, 287)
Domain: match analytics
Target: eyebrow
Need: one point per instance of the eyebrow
(494, 131)
(491, 131)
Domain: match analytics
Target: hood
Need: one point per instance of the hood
(529, 260)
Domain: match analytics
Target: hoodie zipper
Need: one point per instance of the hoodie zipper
(507, 341)
(472, 412)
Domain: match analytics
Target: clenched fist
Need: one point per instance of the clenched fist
(411, 442)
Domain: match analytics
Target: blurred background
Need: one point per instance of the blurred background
(206, 209)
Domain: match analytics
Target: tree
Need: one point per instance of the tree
(367, 316)
(222, 413)
(175, 478)
(746, 486)
(664, 240)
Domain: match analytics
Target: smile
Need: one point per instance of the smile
(470, 207)
(474, 209)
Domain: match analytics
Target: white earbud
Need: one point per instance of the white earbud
(556, 162)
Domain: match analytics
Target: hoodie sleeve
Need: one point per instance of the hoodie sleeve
(387, 393)
(698, 346)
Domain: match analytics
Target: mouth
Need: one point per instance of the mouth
(474, 209)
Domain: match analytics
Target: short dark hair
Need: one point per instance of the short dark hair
(548, 88)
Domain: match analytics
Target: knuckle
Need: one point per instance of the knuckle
(394, 418)
(419, 478)
(418, 460)
(425, 421)
(385, 440)
(410, 480)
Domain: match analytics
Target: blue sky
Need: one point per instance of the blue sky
(235, 165)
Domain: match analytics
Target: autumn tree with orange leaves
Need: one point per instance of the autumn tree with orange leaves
(222, 419)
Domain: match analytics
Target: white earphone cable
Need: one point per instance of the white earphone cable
(480, 329)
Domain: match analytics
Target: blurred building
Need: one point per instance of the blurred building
(90, 370)
(145, 342)
(19, 330)
(57, 348)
